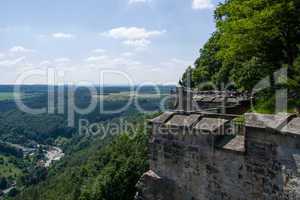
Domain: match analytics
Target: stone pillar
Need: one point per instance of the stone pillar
(180, 98)
(189, 100)
(184, 99)
(224, 103)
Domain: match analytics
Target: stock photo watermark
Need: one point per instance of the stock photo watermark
(63, 94)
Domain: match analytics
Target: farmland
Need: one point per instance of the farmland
(6, 96)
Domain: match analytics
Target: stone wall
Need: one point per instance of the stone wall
(184, 99)
(206, 162)
(273, 159)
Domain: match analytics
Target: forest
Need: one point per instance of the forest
(25, 137)
(253, 40)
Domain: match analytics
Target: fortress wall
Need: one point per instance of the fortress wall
(180, 164)
(196, 167)
(273, 159)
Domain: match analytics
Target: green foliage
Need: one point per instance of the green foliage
(35, 176)
(10, 167)
(26, 129)
(6, 96)
(186, 79)
(265, 103)
(254, 38)
(266, 32)
(125, 161)
(6, 149)
(207, 65)
(13, 192)
(3, 183)
(86, 157)
(294, 80)
(100, 170)
(249, 73)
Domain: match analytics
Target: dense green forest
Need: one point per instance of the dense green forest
(24, 128)
(253, 39)
(87, 158)
(105, 169)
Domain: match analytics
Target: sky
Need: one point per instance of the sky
(101, 41)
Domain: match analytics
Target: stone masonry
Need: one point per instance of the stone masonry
(199, 156)
(210, 101)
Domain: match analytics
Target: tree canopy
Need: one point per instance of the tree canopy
(254, 38)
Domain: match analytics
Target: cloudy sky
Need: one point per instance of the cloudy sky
(146, 41)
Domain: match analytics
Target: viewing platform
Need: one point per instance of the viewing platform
(207, 147)
(185, 99)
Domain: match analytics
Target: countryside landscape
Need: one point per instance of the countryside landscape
(150, 100)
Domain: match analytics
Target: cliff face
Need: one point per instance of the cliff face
(197, 156)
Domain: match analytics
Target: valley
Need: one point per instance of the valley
(39, 149)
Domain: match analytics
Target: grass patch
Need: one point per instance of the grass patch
(6, 96)
(240, 119)
(8, 168)
(266, 104)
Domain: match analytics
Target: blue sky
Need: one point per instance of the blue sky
(148, 40)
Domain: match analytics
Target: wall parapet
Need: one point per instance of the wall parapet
(204, 158)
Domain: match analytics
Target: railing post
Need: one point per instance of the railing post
(180, 97)
(189, 100)
(184, 99)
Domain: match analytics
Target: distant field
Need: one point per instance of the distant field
(10, 96)
(6, 96)
(126, 95)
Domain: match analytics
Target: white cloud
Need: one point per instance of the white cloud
(125, 62)
(62, 60)
(42, 36)
(137, 43)
(132, 33)
(202, 4)
(127, 54)
(1, 55)
(156, 69)
(63, 36)
(96, 58)
(99, 51)
(111, 62)
(6, 29)
(22, 28)
(45, 63)
(137, 1)
(20, 49)
(176, 63)
(133, 36)
(11, 62)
